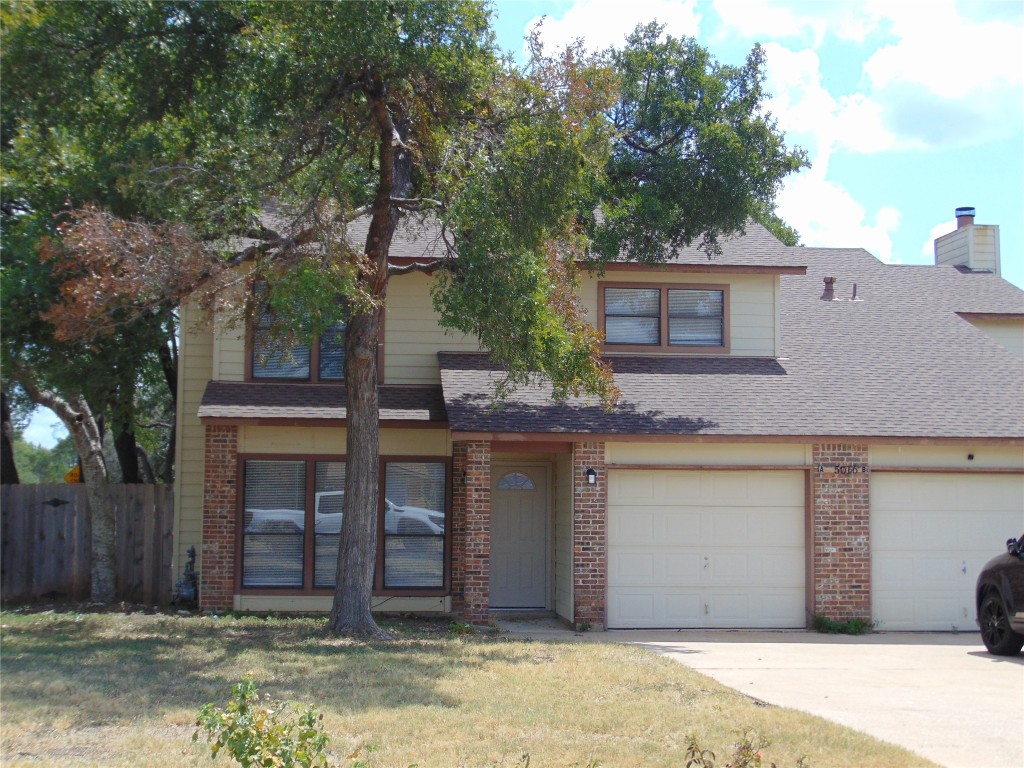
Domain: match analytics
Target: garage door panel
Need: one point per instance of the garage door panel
(676, 486)
(930, 535)
(723, 549)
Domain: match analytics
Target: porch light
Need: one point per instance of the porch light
(591, 476)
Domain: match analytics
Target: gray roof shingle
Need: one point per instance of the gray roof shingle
(899, 363)
(315, 402)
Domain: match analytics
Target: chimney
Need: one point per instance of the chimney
(964, 217)
(970, 247)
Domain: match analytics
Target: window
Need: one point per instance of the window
(414, 497)
(659, 317)
(516, 481)
(292, 527)
(274, 519)
(271, 359)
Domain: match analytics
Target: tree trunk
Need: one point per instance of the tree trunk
(357, 554)
(351, 613)
(127, 454)
(8, 469)
(85, 431)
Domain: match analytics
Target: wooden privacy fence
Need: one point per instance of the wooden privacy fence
(45, 542)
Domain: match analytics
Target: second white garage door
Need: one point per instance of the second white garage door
(689, 548)
(931, 533)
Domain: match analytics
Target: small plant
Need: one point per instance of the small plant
(254, 734)
(584, 626)
(748, 752)
(458, 628)
(829, 626)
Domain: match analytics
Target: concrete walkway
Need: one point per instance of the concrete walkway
(939, 695)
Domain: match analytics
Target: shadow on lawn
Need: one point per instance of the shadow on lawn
(90, 670)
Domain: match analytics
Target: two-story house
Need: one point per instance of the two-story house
(801, 431)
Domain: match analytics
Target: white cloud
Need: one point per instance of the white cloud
(826, 215)
(928, 246)
(603, 24)
(805, 21)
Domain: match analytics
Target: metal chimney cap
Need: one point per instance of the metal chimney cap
(965, 211)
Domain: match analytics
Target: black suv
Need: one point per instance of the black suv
(1000, 601)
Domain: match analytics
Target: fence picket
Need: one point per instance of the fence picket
(45, 549)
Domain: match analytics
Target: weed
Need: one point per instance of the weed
(253, 733)
(748, 752)
(829, 626)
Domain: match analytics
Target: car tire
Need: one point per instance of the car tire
(996, 634)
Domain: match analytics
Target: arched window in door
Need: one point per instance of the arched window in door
(516, 481)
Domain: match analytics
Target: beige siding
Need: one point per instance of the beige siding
(953, 248)
(752, 304)
(563, 536)
(1009, 333)
(709, 454)
(947, 456)
(976, 246)
(412, 336)
(195, 357)
(322, 604)
(331, 441)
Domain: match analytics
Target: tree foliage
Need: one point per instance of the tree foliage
(207, 144)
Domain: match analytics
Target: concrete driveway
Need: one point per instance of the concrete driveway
(938, 695)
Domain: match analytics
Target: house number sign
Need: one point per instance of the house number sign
(844, 469)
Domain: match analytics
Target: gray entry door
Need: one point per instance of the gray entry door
(519, 541)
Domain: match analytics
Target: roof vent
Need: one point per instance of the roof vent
(964, 216)
(829, 293)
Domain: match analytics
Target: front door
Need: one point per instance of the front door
(519, 537)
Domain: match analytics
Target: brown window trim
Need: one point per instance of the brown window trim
(309, 543)
(664, 347)
(314, 360)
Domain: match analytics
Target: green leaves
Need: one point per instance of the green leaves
(254, 732)
(694, 155)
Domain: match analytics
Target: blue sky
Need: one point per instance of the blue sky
(908, 110)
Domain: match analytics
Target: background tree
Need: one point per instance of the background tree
(207, 114)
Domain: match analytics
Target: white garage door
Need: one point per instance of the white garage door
(930, 535)
(690, 548)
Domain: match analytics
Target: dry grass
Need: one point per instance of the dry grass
(123, 690)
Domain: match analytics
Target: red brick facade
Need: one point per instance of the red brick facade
(840, 526)
(589, 558)
(217, 567)
(471, 531)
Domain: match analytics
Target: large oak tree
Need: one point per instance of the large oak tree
(210, 115)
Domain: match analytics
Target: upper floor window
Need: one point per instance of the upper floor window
(652, 317)
(323, 360)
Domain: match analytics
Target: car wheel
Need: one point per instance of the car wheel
(995, 628)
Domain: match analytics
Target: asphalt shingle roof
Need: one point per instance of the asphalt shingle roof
(265, 400)
(899, 363)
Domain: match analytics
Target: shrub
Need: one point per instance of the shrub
(254, 734)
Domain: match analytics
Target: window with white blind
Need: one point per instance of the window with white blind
(414, 523)
(664, 317)
(292, 527)
(274, 359)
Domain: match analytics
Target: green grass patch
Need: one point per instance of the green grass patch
(829, 626)
(124, 690)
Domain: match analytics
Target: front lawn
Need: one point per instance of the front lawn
(111, 689)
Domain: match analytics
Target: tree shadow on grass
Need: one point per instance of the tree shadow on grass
(90, 670)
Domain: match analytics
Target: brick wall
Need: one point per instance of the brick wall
(840, 531)
(589, 560)
(217, 567)
(471, 530)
